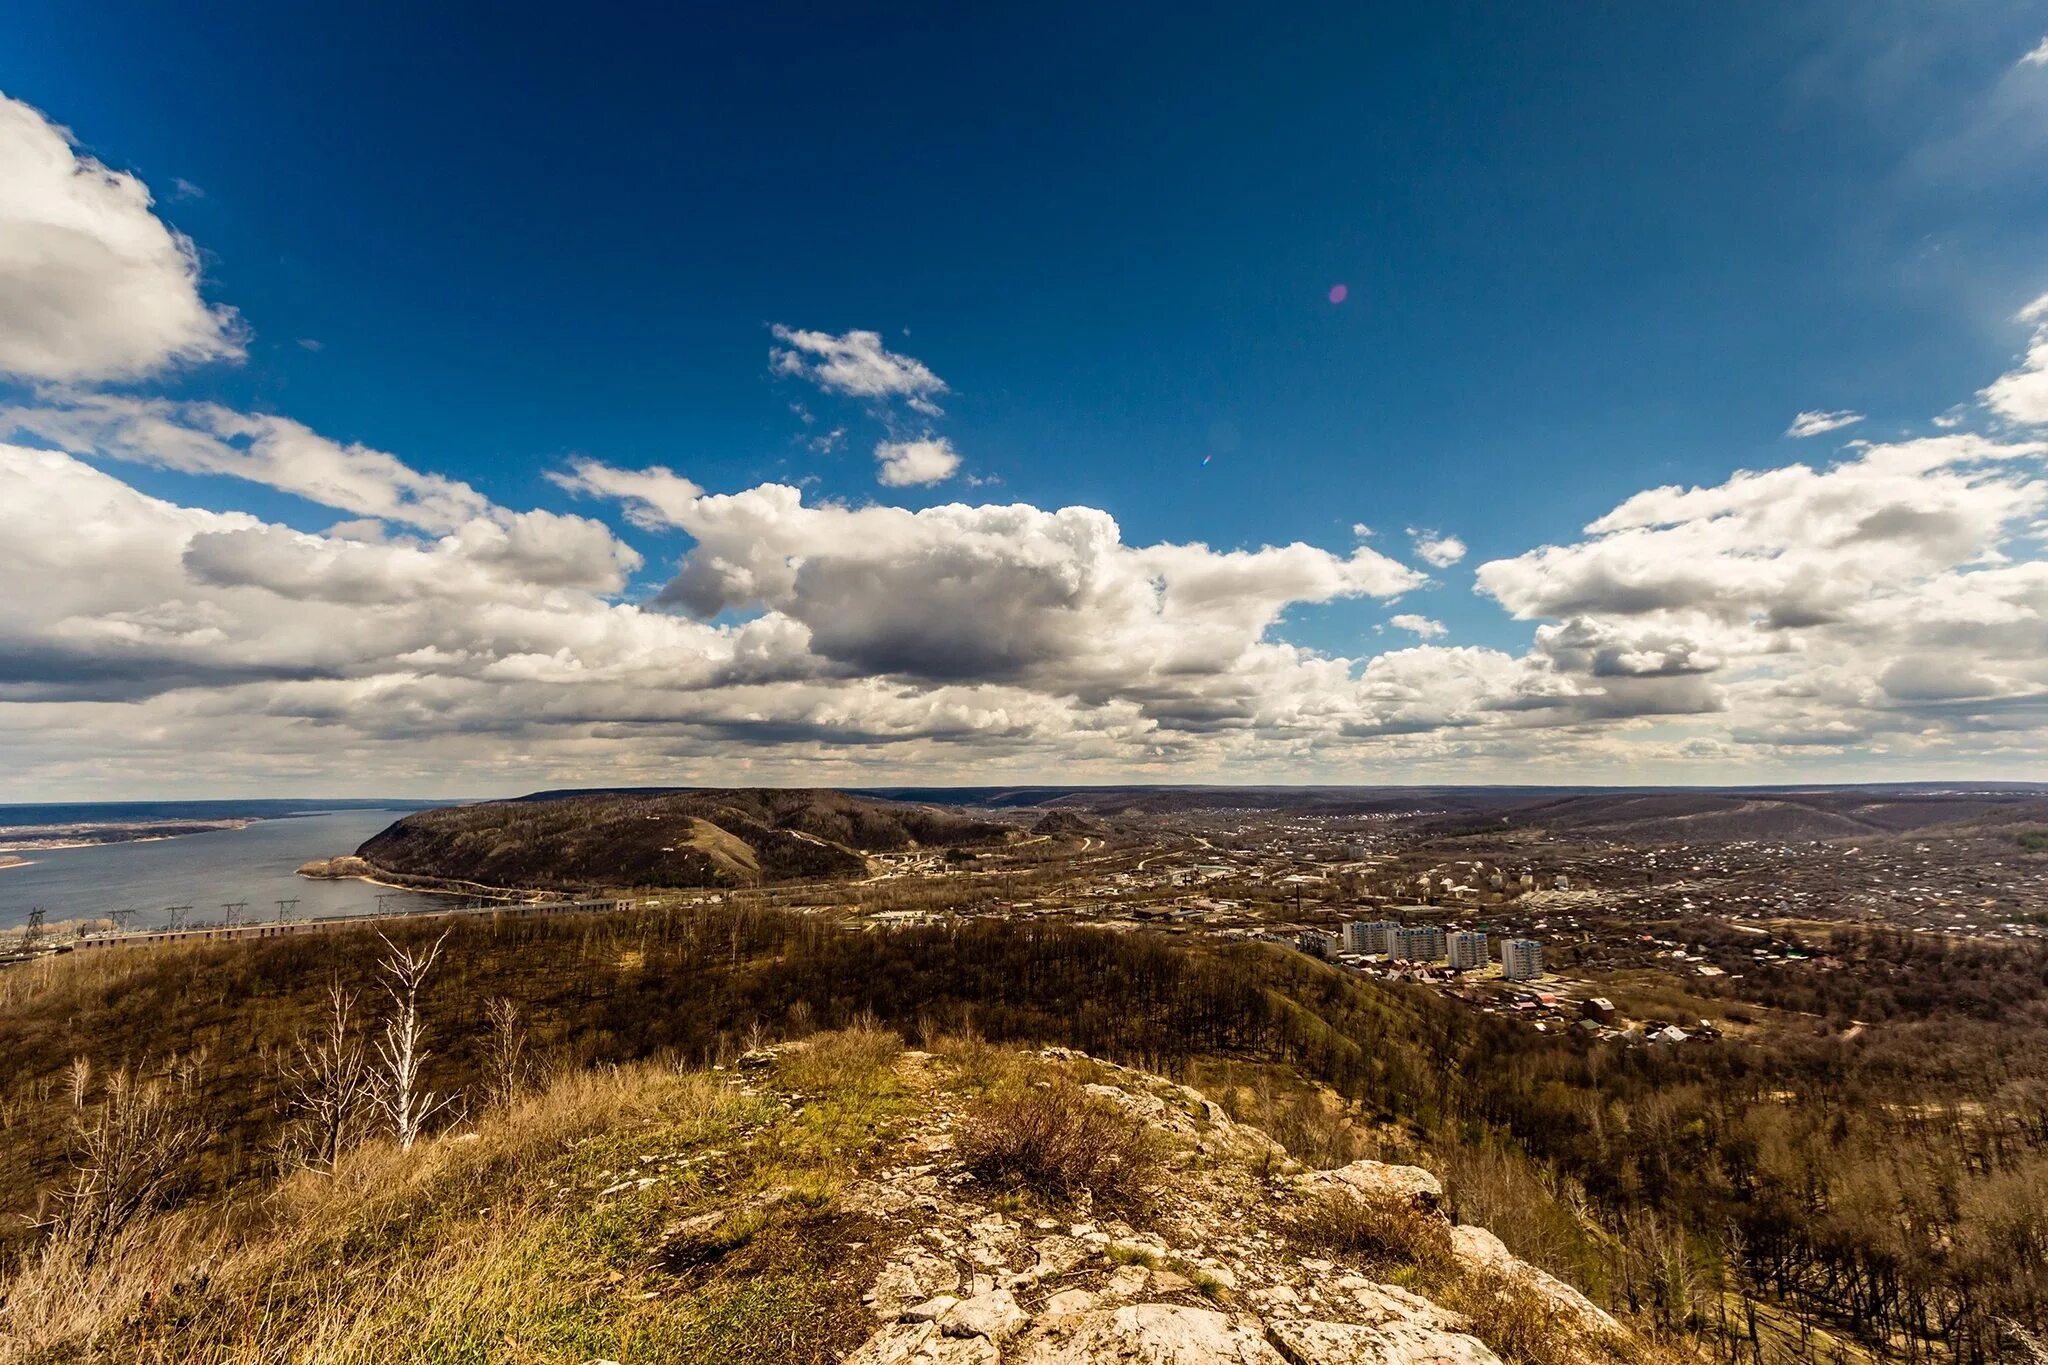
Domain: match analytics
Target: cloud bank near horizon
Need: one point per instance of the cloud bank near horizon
(1889, 608)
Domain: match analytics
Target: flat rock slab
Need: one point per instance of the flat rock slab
(919, 1343)
(1378, 1179)
(1394, 1343)
(1147, 1334)
(1069, 1301)
(913, 1279)
(994, 1314)
(894, 1344)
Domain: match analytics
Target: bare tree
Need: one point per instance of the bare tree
(131, 1148)
(326, 1084)
(508, 1069)
(401, 1052)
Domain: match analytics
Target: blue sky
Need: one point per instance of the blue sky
(1587, 251)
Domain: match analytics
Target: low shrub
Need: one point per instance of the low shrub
(1059, 1142)
(1383, 1230)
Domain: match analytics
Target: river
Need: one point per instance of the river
(256, 864)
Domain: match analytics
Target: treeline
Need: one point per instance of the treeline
(1887, 974)
(692, 982)
(1895, 1184)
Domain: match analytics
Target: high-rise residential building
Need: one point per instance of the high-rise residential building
(1370, 938)
(1521, 959)
(1358, 937)
(1317, 943)
(1467, 949)
(1419, 943)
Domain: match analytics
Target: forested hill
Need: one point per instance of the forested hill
(741, 837)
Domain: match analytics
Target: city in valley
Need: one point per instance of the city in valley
(1640, 917)
(1651, 917)
(1713, 1055)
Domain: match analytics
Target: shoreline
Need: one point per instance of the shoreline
(51, 838)
(449, 886)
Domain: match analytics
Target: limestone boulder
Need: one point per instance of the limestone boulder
(1146, 1334)
(994, 1315)
(1481, 1251)
(1307, 1342)
(1378, 1180)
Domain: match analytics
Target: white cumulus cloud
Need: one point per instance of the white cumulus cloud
(1419, 625)
(1437, 549)
(93, 285)
(856, 364)
(208, 438)
(1814, 422)
(2021, 395)
(1888, 607)
(902, 464)
(995, 592)
(1785, 598)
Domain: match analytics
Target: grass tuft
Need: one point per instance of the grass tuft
(1522, 1324)
(861, 1058)
(1059, 1142)
(1384, 1231)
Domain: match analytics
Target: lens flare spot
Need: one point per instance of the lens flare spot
(1339, 293)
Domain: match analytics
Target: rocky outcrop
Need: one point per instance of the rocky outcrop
(1480, 1250)
(1209, 1276)
(1154, 1333)
(337, 869)
(1376, 1179)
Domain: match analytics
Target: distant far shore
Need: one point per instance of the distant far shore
(92, 834)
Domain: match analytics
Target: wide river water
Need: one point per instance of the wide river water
(256, 864)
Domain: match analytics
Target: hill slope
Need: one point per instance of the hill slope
(1689, 814)
(742, 837)
(832, 1199)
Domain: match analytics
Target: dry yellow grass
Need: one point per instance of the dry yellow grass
(473, 1246)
